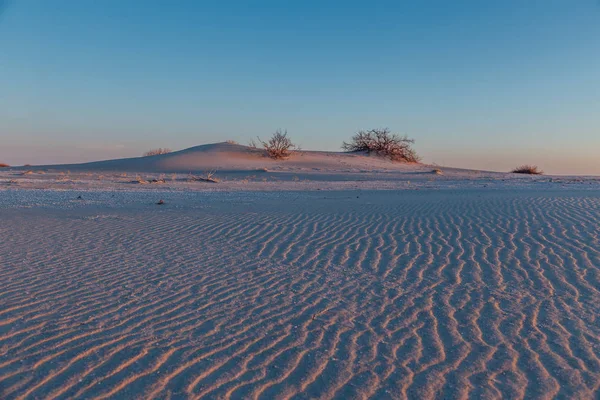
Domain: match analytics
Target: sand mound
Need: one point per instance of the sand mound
(228, 157)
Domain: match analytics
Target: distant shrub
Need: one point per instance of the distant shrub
(156, 152)
(232, 142)
(527, 169)
(383, 143)
(2, 165)
(279, 145)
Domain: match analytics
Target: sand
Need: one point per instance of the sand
(461, 286)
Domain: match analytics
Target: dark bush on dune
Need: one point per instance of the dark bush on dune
(279, 145)
(383, 143)
(156, 152)
(527, 169)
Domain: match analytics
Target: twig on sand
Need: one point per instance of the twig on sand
(315, 315)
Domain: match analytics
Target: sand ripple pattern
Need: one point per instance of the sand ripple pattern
(390, 295)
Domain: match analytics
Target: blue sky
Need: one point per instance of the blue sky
(478, 84)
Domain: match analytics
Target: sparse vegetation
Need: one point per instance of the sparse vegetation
(210, 177)
(279, 145)
(528, 169)
(232, 142)
(438, 171)
(2, 165)
(156, 152)
(384, 143)
(140, 180)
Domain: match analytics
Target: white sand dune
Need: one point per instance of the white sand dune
(351, 294)
(243, 168)
(462, 285)
(229, 157)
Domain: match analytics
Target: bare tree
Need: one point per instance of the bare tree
(383, 143)
(156, 152)
(279, 145)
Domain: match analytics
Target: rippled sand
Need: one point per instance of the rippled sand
(352, 294)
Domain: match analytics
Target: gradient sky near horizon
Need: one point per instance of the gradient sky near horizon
(478, 84)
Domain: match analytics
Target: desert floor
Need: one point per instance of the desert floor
(479, 292)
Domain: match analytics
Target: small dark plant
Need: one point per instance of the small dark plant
(383, 143)
(527, 169)
(279, 145)
(156, 152)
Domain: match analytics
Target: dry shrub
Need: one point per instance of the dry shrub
(2, 165)
(156, 152)
(232, 142)
(140, 180)
(279, 146)
(210, 177)
(528, 169)
(383, 143)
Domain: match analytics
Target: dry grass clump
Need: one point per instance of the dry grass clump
(156, 152)
(140, 180)
(383, 143)
(2, 165)
(232, 142)
(279, 145)
(528, 169)
(210, 177)
(437, 171)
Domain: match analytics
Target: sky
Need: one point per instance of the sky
(478, 84)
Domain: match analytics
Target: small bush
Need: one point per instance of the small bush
(527, 169)
(232, 142)
(210, 177)
(156, 152)
(383, 143)
(2, 165)
(279, 146)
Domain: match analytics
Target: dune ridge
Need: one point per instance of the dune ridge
(230, 157)
(285, 295)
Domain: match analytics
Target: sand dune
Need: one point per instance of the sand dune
(229, 157)
(239, 167)
(351, 294)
